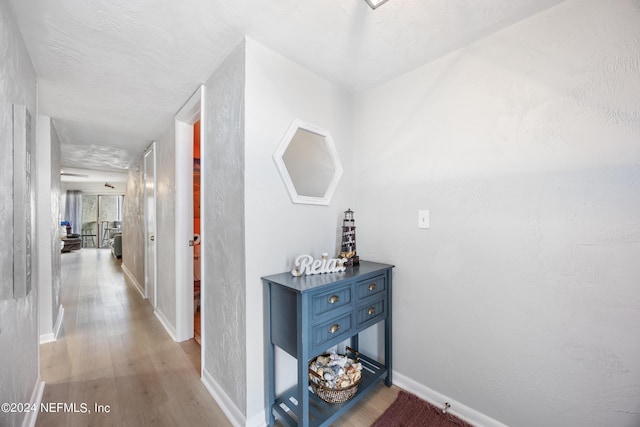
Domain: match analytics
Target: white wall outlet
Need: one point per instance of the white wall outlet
(423, 219)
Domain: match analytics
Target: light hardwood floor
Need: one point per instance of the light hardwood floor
(365, 412)
(113, 351)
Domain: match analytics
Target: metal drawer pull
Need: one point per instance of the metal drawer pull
(371, 311)
(333, 299)
(372, 287)
(334, 328)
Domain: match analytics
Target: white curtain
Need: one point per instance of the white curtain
(73, 210)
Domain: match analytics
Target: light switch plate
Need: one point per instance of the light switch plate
(423, 219)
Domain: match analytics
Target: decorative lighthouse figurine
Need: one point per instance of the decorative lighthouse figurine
(348, 246)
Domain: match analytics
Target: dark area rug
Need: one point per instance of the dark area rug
(411, 411)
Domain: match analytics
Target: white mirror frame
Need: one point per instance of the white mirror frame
(278, 158)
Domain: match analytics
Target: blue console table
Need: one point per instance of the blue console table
(306, 315)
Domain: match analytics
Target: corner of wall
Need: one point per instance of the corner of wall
(223, 216)
(166, 324)
(36, 398)
(223, 400)
(133, 279)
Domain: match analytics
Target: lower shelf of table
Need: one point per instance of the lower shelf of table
(322, 413)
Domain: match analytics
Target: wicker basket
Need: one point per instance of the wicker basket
(331, 395)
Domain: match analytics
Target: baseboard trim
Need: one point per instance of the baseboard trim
(36, 398)
(133, 280)
(46, 338)
(166, 324)
(258, 420)
(222, 399)
(458, 409)
(53, 335)
(58, 326)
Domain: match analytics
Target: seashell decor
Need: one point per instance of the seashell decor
(338, 371)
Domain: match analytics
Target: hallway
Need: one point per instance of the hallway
(113, 352)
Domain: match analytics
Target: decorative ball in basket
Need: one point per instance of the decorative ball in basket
(334, 378)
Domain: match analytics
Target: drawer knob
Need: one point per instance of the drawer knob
(372, 287)
(371, 310)
(334, 328)
(333, 299)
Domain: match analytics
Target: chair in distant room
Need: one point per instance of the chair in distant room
(112, 228)
(88, 234)
(116, 245)
(116, 228)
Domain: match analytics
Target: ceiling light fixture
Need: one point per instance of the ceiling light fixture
(80, 175)
(376, 3)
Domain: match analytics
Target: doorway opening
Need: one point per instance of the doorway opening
(185, 238)
(196, 233)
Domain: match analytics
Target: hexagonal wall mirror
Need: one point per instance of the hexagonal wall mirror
(308, 164)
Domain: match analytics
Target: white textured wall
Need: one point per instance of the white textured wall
(18, 318)
(54, 225)
(43, 209)
(165, 225)
(276, 230)
(133, 222)
(223, 261)
(522, 300)
(48, 205)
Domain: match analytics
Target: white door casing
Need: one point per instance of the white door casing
(150, 254)
(184, 121)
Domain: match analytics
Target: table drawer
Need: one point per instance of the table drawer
(340, 326)
(371, 312)
(328, 301)
(370, 287)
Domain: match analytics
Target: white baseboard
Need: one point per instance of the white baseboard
(133, 280)
(45, 338)
(58, 326)
(36, 398)
(222, 399)
(458, 409)
(166, 324)
(53, 335)
(257, 420)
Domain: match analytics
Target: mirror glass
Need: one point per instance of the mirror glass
(308, 164)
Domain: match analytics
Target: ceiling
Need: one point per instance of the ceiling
(68, 174)
(113, 73)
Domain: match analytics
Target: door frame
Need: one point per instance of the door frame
(190, 113)
(150, 150)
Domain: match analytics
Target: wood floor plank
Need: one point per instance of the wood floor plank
(113, 352)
